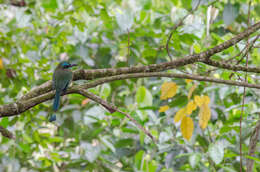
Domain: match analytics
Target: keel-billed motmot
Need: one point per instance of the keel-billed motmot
(61, 79)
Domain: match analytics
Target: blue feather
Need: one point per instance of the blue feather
(52, 118)
(56, 101)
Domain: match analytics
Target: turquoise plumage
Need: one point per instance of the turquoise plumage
(62, 77)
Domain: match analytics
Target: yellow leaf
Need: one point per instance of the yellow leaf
(1, 64)
(179, 115)
(205, 99)
(168, 90)
(188, 80)
(204, 116)
(187, 127)
(190, 107)
(198, 100)
(164, 108)
(191, 90)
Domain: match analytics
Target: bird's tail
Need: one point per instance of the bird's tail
(56, 101)
(52, 118)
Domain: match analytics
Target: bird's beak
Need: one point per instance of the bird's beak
(73, 65)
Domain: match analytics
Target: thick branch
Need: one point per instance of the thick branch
(168, 75)
(22, 105)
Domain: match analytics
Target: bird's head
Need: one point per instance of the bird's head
(65, 65)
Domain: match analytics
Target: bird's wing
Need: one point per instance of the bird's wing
(62, 79)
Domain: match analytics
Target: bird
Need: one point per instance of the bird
(61, 79)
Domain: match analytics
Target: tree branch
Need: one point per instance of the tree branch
(112, 108)
(227, 66)
(168, 75)
(252, 146)
(202, 57)
(6, 133)
(22, 105)
(44, 92)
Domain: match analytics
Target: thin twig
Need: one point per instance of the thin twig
(238, 54)
(112, 108)
(6, 133)
(248, 47)
(244, 95)
(128, 44)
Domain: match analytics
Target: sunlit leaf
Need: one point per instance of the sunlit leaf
(205, 99)
(191, 90)
(138, 158)
(187, 127)
(1, 64)
(196, 48)
(164, 108)
(188, 80)
(204, 116)
(140, 94)
(198, 100)
(168, 90)
(144, 97)
(105, 91)
(180, 115)
(191, 107)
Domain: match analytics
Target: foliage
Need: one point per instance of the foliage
(196, 123)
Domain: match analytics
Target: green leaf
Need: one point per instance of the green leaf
(216, 152)
(4, 122)
(140, 94)
(124, 143)
(91, 152)
(144, 97)
(50, 4)
(194, 159)
(124, 19)
(105, 91)
(56, 139)
(108, 144)
(196, 48)
(138, 159)
(230, 13)
(25, 147)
